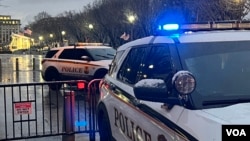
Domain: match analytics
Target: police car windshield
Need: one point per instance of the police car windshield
(102, 53)
(221, 69)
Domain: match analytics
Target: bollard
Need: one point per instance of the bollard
(69, 116)
(0, 66)
(0, 70)
(17, 65)
(34, 64)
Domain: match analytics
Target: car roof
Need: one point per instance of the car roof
(193, 37)
(82, 47)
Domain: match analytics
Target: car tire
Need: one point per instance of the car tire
(104, 124)
(53, 75)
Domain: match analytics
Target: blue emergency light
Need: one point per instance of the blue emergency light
(170, 27)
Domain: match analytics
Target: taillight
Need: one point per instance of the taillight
(80, 85)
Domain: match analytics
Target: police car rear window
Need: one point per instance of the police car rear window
(50, 54)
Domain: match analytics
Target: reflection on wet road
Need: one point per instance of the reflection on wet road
(20, 68)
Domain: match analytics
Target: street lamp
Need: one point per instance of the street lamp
(63, 33)
(51, 39)
(91, 26)
(40, 39)
(51, 35)
(131, 19)
(87, 38)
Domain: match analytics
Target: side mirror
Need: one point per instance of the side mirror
(85, 58)
(151, 90)
(156, 90)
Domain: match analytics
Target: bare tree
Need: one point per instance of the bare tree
(109, 18)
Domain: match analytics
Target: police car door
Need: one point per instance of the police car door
(66, 63)
(130, 119)
(82, 63)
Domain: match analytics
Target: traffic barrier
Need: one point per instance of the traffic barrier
(32, 110)
(0, 63)
(93, 97)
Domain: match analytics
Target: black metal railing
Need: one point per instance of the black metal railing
(31, 110)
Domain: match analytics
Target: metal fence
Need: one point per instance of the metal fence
(32, 110)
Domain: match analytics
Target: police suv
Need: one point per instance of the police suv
(189, 85)
(85, 61)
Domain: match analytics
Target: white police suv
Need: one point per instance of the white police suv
(189, 85)
(85, 61)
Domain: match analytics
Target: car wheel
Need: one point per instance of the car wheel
(53, 75)
(104, 125)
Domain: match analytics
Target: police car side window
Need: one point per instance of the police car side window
(51, 53)
(158, 65)
(67, 54)
(74, 54)
(132, 64)
(79, 53)
(114, 63)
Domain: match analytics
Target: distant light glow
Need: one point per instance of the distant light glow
(151, 66)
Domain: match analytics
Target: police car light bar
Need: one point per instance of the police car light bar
(206, 26)
(216, 25)
(88, 44)
(170, 27)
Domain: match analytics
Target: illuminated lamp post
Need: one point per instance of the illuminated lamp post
(51, 36)
(90, 28)
(51, 39)
(131, 19)
(40, 39)
(40, 42)
(63, 34)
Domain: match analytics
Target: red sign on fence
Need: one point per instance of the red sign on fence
(22, 108)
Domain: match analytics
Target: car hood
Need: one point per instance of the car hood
(235, 114)
(198, 122)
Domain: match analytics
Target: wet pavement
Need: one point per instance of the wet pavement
(20, 68)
